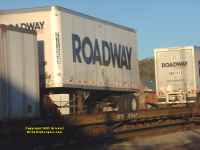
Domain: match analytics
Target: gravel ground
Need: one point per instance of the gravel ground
(185, 140)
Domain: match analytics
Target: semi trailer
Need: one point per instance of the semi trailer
(177, 72)
(79, 52)
(19, 74)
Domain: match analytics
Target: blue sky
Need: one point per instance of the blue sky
(159, 23)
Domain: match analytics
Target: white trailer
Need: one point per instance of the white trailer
(177, 72)
(81, 51)
(19, 74)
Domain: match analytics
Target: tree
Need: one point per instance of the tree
(147, 72)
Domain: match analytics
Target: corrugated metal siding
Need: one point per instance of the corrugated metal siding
(19, 83)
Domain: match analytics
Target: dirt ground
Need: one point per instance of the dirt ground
(181, 140)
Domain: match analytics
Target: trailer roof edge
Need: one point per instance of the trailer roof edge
(47, 8)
